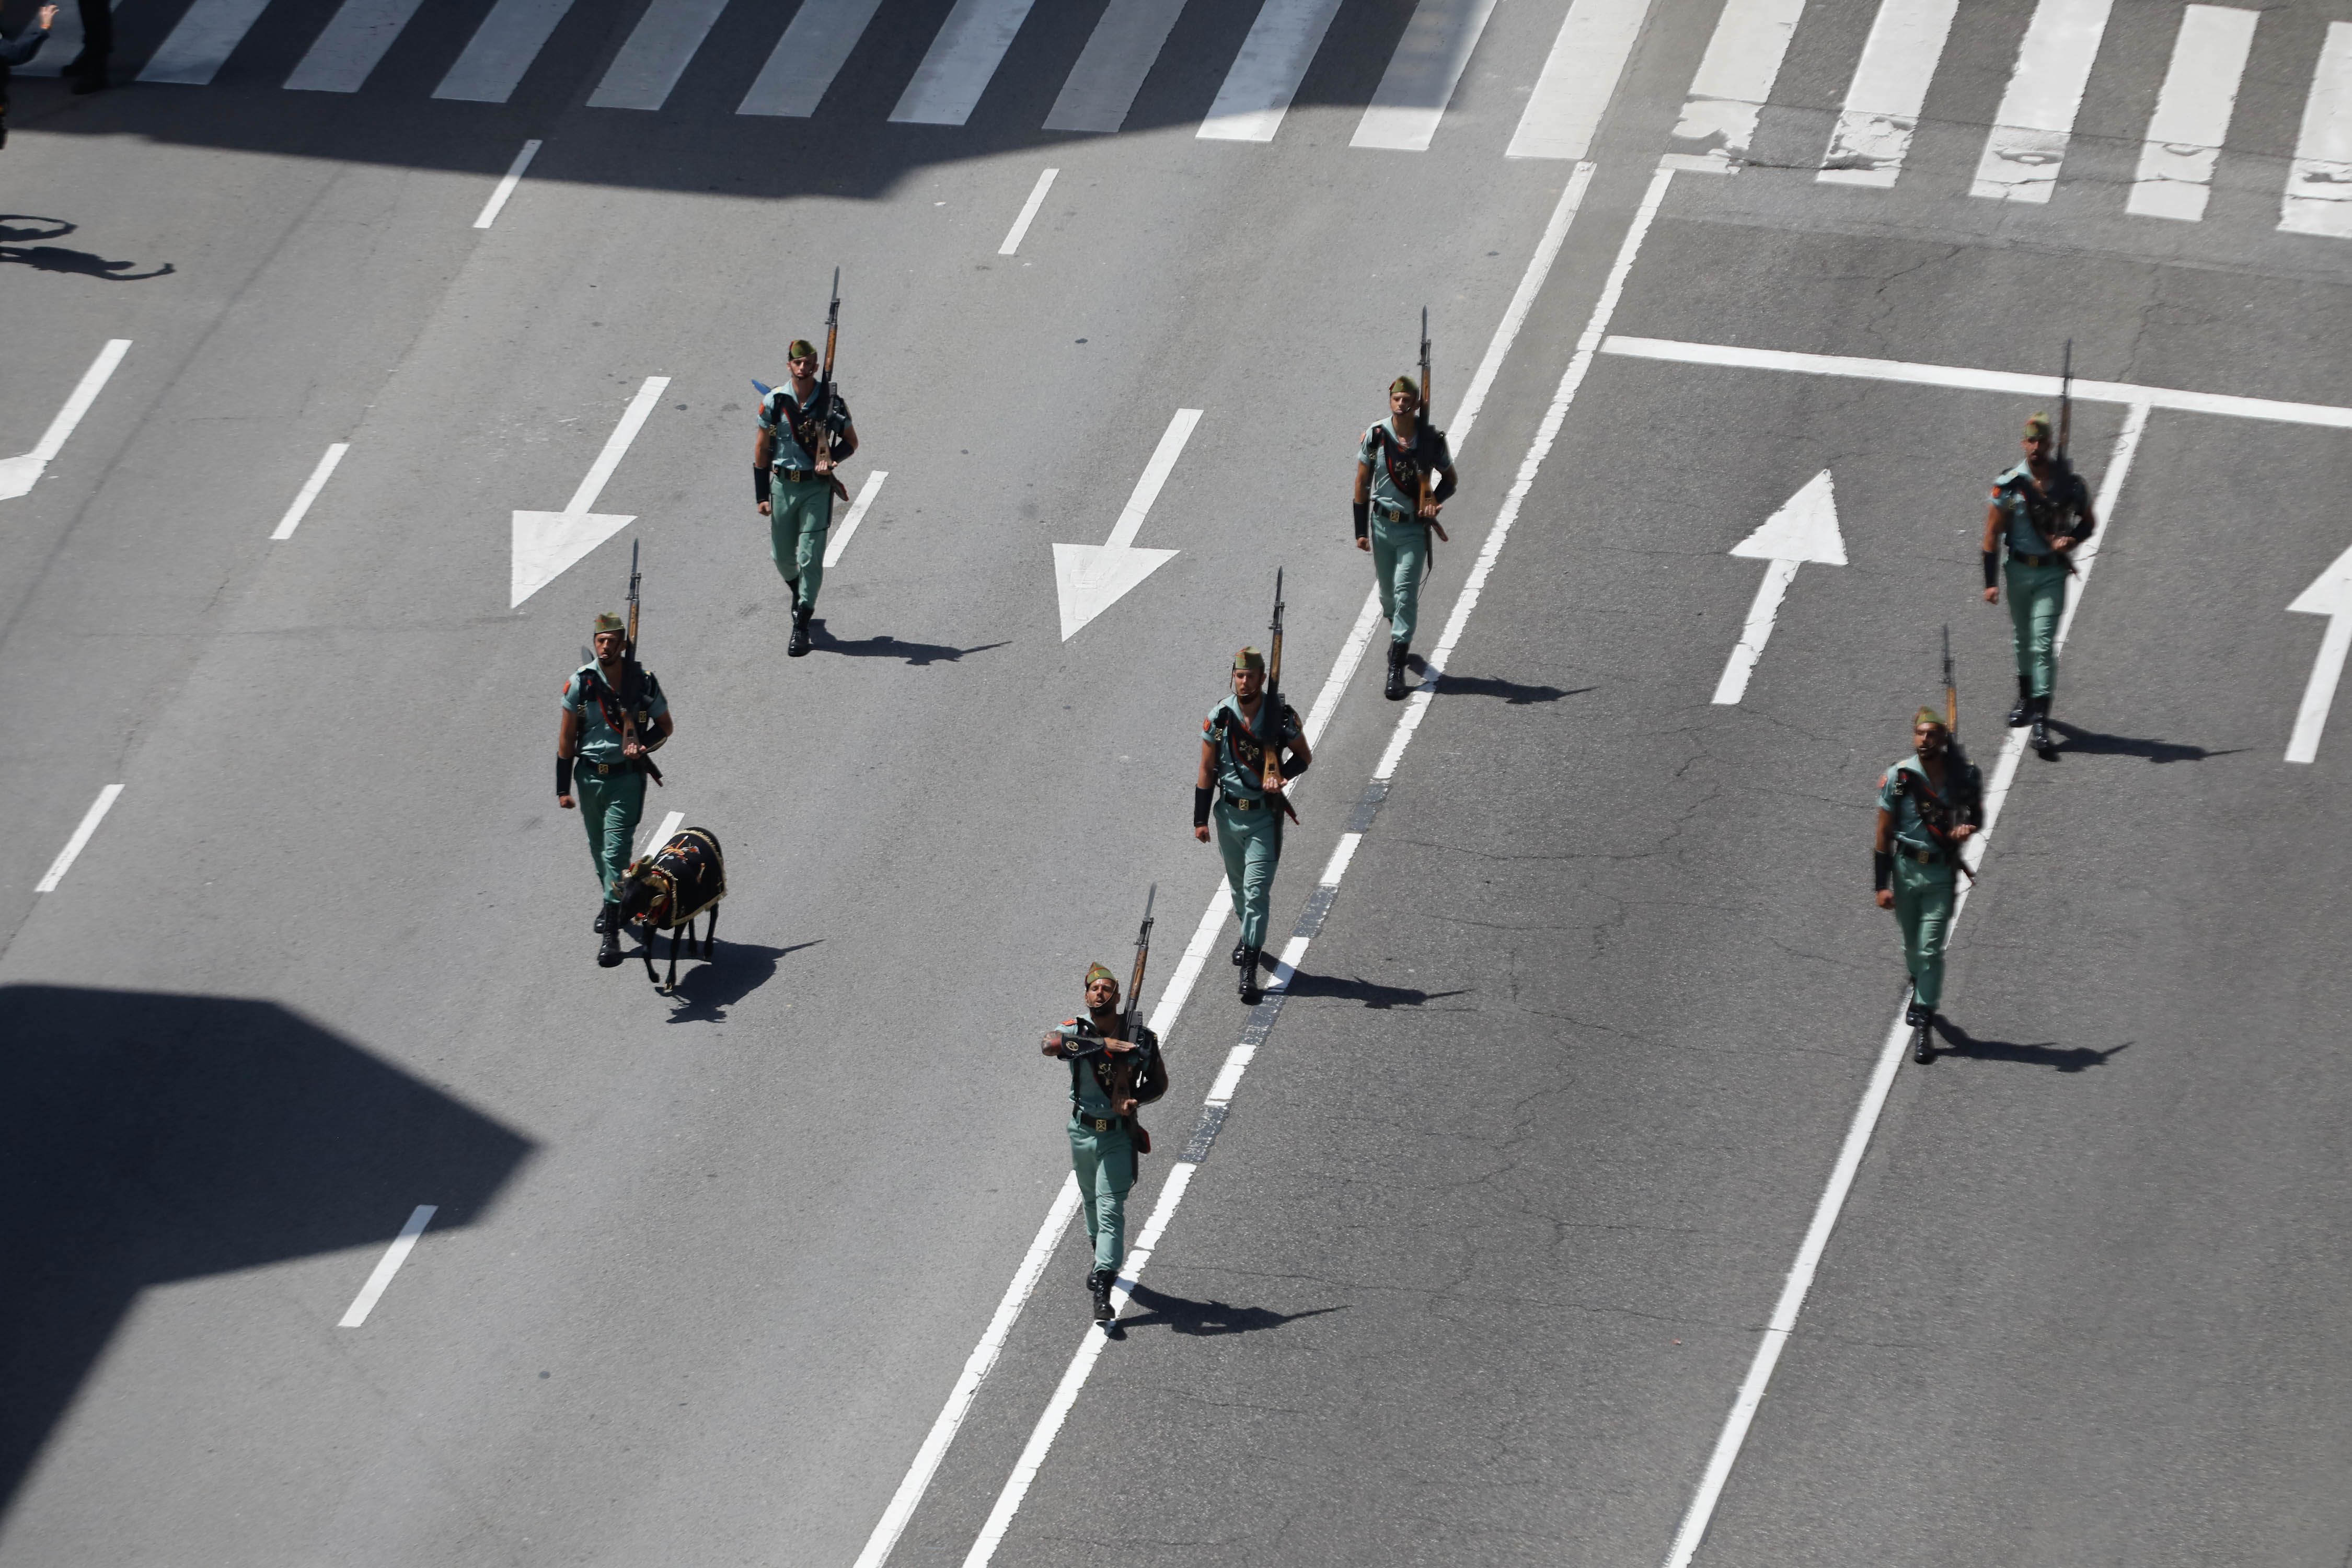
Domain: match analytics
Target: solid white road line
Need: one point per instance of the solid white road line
(208, 33)
(2036, 118)
(1187, 973)
(2192, 113)
(1041, 1439)
(2329, 594)
(394, 1257)
(310, 491)
(808, 56)
(1155, 475)
(1422, 74)
(1757, 630)
(502, 50)
(857, 509)
(1111, 69)
(960, 62)
(2319, 182)
(1578, 78)
(19, 474)
(1734, 82)
(64, 45)
(660, 836)
(1783, 1321)
(616, 444)
(660, 47)
(1967, 379)
(1028, 211)
(1873, 130)
(89, 821)
(353, 43)
(1256, 93)
(513, 178)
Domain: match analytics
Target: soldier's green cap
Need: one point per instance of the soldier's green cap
(2038, 425)
(610, 623)
(1097, 972)
(1405, 383)
(1927, 716)
(800, 348)
(1249, 658)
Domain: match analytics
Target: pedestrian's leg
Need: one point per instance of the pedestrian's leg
(596, 794)
(1932, 903)
(1088, 1168)
(1412, 556)
(2049, 602)
(1233, 843)
(1114, 1175)
(1906, 920)
(783, 535)
(1384, 570)
(815, 519)
(1259, 860)
(2020, 623)
(625, 802)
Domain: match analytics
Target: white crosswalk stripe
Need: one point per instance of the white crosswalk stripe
(961, 61)
(353, 45)
(1266, 74)
(1580, 78)
(1422, 74)
(2319, 182)
(657, 53)
(1872, 135)
(2192, 113)
(1118, 55)
(208, 33)
(501, 49)
(1735, 80)
(808, 56)
(2036, 119)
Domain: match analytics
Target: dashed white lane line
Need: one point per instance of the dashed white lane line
(1783, 1321)
(506, 188)
(857, 510)
(310, 491)
(394, 1257)
(18, 475)
(1028, 211)
(73, 845)
(660, 836)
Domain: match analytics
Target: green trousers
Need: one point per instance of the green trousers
(1105, 1163)
(1399, 561)
(2037, 596)
(610, 804)
(1923, 912)
(1251, 842)
(798, 516)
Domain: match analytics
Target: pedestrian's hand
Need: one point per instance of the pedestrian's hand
(1202, 833)
(1885, 898)
(763, 508)
(1961, 832)
(564, 801)
(47, 14)
(2062, 544)
(1992, 595)
(1053, 1046)
(825, 465)
(1363, 544)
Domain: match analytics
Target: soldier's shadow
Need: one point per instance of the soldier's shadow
(1511, 692)
(57, 258)
(2090, 742)
(918, 654)
(713, 986)
(2043, 1054)
(1203, 1319)
(1371, 993)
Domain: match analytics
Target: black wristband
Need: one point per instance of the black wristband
(1199, 807)
(1363, 518)
(1881, 869)
(1297, 769)
(564, 775)
(1444, 487)
(759, 482)
(1992, 568)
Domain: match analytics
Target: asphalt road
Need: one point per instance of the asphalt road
(1492, 1231)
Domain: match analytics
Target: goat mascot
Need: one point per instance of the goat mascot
(668, 890)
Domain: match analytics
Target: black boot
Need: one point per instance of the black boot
(1250, 992)
(1923, 1033)
(2024, 712)
(1098, 1283)
(608, 950)
(799, 643)
(1239, 950)
(1394, 689)
(608, 918)
(91, 78)
(2040, 737)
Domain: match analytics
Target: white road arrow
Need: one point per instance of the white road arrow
(1804, 529)
(1091, 578)
(549, 543)
(2330, 595)
(18, 475)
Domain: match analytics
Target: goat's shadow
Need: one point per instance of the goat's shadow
(709, 986)
(916, 654)
(2043, 1054)
(2091, 744)
(57, 258)
(1204, 1318)
(1511, 692)
(1371, 993)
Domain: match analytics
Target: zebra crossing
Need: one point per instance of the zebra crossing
(2026, 145)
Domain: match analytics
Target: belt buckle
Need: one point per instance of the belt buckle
(602, 769)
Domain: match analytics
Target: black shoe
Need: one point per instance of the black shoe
(1250, 992)
(1099, 1284)
(1923, 1041)
(2040, 737)
(799, 643)
(1915, 1015)
(1394, 689)
(607, 918)
(608, 952)
(1238, 950)
(85, 81)
(2020, 715)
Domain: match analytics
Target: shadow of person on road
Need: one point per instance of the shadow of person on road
(1511, 692)
(57, 257)
(1206, 1318)
(918, 654)
(715, 985)
(1371, 993)
(2045, 1054)
(2090, 742)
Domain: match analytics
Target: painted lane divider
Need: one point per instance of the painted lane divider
(1013, 235)
(2330, 594)
(506, 186)
(66, 855)
(18, 475)
(310, 491)
(1804, 529)
(1090, 578)
(394, 1257)
(549, 543)
(857, 510)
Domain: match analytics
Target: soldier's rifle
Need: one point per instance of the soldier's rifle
(1270, 709)
(1955, 759)
(824, 447)
(629, 660)
(1424, 432)
(1130, 1022)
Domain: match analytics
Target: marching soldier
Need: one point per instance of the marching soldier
(1103, 1132)
(1396, 510)
(2040, 511)
(1234, 740)
(1929, 805)
(615, 717)
(794, 485)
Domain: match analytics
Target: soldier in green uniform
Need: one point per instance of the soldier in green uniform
(615, 715)
(1103, 1134)
(794, 487)
(1929, 805)
(1234, 740)
(2040, 511)
(1392, 521)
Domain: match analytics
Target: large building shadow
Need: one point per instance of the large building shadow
(150, 1137)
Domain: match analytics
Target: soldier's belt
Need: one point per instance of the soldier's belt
(1098, 1123)
(2022, 559)
(1923, 857)
(606, 770)
(1244, 802)
(798, 476)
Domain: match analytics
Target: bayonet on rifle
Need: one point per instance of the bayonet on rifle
(1955, 761)
(824, 447)
(1131, 1025)
(628, 658)
(1270, 708)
